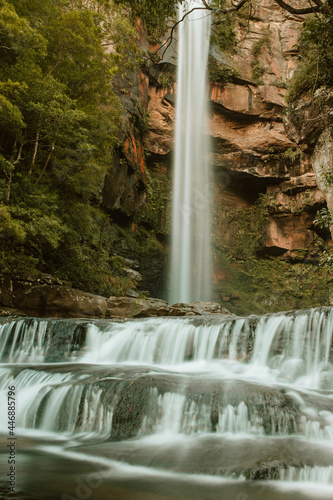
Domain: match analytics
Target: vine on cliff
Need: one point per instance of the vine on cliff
(315, 68)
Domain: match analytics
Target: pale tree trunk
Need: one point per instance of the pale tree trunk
(8, 184)
(9, 175)
(34, 153)
(13, 152)
(47, 161)
(19, 154)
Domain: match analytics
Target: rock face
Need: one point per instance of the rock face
(309, 124)
(256, 147)
(124, 187)
(253, 150)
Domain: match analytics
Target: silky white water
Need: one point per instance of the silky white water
(240, 398)
(190, 274)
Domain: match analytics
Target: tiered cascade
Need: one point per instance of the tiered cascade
(227, 400)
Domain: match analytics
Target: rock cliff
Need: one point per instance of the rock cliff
(258, 146)
(253, 152)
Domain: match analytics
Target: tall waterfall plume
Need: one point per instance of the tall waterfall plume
(190, 273)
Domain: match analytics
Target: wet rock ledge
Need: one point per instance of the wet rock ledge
(46, 297)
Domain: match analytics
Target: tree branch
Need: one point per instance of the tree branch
(36, 143)
(19, 154)
(306, 10)
(47, 162)
(238, 6)
(170, 38)
(206, 5)
(319, 4)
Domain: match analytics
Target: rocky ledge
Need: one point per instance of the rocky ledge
(45, 297)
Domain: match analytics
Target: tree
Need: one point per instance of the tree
(60, 122)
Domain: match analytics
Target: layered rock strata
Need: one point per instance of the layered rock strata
(252, 151)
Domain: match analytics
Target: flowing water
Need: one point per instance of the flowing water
(208, 408)
(190, 274)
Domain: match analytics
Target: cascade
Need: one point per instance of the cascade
(196, 407)
(190, 273)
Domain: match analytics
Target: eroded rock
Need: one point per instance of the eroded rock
(197, 309)
(128, 307)
(57, 300)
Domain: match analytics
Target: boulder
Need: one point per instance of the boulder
(197, 309)
(132, 293)
(132, 274)
(46, 297)
(57, 300)
(128, 307)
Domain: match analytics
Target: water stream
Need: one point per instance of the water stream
(199, 407)
(190, 276)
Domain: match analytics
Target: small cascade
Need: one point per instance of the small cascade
(237, 421)
(33, 340)
(319, 429)
(290, 347)
(240, 399)
(321, 475)
(24, 341)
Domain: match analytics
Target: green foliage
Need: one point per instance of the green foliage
(153, 14)
(326, 176)
(10, 229)
(257, 69)
(315, 66)
(323, 218)
(10, 116)
(140, 119)
(153, 214)
(272, 285)
(257, 72)
(218, 73)
(60, 122)
(250, 223)
(167, 77)
(225, 36)
(307, 203)
(289, 156)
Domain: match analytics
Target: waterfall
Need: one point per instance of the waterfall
(190, 273)
(201, 405)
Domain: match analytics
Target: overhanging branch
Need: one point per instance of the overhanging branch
(170, 38)
(306, 10)
(317, 6)
(206, 7)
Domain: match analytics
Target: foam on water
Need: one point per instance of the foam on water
(166, 379)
